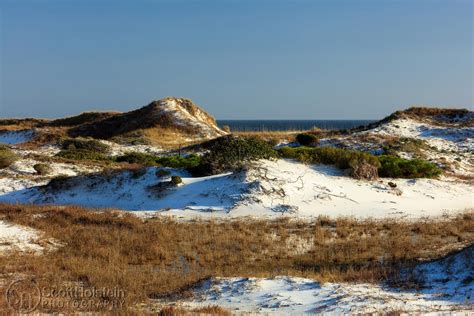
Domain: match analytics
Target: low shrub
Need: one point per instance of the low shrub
(395, 167)
(81, 154)
(405, 144)
(176, 161)
(7, 157)
(231, 153)
(84, 144)
(137, 158)
(176, 180)
(42, 169)
(342, 158)
(361, 164)
(305, 139)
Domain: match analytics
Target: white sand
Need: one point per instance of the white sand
(15, 237)
(269, 189)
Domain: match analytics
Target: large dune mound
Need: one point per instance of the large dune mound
(167, 122)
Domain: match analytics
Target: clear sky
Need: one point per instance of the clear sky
(238, 59)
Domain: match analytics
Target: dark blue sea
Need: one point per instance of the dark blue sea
(286, 125)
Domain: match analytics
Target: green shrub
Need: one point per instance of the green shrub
(231, 153)
(137, 158)
(7, 157)
(342, 158)
(306, 139)
(81, 154)
(395, 167)
(176, 180)
(405, 144)
(84, 144)
(176, 161)
(388, 166)
(42, 169)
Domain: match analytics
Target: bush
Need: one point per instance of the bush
(404, 144)
(84, 144)
(358, 162)
(395, 167)
(167, 161)
(80, 154)
(176, 180)
(42, 169)
(176, 161)
(137, 158)
(306, 139)
(231, 153)
(342, 158)
(7, 157)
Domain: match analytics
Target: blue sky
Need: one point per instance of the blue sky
(237, 59)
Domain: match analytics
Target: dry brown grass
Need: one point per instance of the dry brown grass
(277, 136)
(160, 257)
(207, 310)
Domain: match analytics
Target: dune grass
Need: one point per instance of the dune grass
(159, 257)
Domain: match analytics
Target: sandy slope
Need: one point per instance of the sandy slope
(447, 285)
(448, 138)
(269, 188)
(290, 295)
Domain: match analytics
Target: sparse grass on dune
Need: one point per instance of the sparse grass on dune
(270, 135)
(161, 257)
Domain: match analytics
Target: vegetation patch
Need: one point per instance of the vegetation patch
(137, 158)
(161, 257)
(84, 144)
(405, 144)
(231, 153)
(395, 167)
(361, 164)
(176, 180)
(174, 161)
(342, 158)
(42, 169)
(82, 154)
(7, 157)
(306, 139)
(185, 162)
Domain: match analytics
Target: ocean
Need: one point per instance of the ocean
(286, 125)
